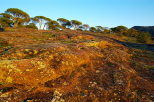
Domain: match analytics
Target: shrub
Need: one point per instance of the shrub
(93, 29)
(119, 29)
(144, 37)
(31, 25)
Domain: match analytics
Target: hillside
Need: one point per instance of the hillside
(149, 29)
(73, 66)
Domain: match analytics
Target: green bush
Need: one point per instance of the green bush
(31, 25)
(144, 37)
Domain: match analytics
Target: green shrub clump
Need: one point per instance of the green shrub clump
(31, 25)
(144, 37)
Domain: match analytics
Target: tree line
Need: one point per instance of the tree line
(14, 17)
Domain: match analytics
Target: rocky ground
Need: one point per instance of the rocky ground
(72, 66)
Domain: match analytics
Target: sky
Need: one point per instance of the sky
(106, 13)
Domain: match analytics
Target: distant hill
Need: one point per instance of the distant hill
(149, 29)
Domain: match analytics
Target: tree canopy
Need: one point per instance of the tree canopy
(54, 25)
(31, 25)
(6, 15)
(119, 29)
(93, 29)
(99, 28)
(42, 20)
(5, 22)
(19, 16)
(76, 24)
(85, 27)
(64, 22)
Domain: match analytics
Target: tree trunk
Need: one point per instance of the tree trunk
(44, 26)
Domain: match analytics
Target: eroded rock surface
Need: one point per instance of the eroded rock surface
(92, 71)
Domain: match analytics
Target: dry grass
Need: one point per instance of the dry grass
(71, 66)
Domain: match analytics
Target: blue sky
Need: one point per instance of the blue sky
(108, 13)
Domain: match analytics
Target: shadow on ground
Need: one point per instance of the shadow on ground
(147, 47)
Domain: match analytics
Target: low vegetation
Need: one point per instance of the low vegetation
(86, 64)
